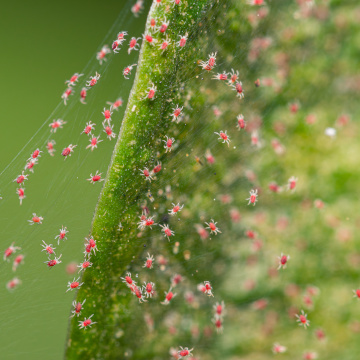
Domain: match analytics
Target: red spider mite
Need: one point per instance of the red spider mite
(302, 319)
(163, 46)
(102, 53)
(36, 219)
(167, 231)
(209, 65)
(83, 94)
(78, 306)
(149, 289)
(62, 234)
(107, 114)
(137, 8)
(223, 136)
(212, 226)
(92, 243)
(48, 248)
(241, 124)
(94, 142)
(17, 261)
(138, 292)
(68, 150)
(57, 124)
(239, 89)
(253, 197)
(133, 44)
(128, 280)
(74, 79)
(157, 168)
(184, 352)
(66, 94)
(234, 75)
(121, 36)
(74, 284)
(176, 112)
(87, 322)
(93, 80)
(21, 193)
(168, 143)
(12, 284)
(292, 183)
(127, 70)
(146, 173)
(219, 308)
(164, 26)
(149, 39)
(108, 129)
(116, 46)
(84, 265)
(88, 128)
(183, 40)
(36, 154)
(151, 92)
(30, 164)
(223, 76)
(50, 147)
(209, 157)
(152, 24)
(95, 178)
(10, 250)
(256, 2)
(52, 262)
(283, 259)
(149, 261)
(168, 297)
(218, 323)
(176, 2)
(176, 208)
(116, 104)
(176, 279)
(146, 222)
(208, 288)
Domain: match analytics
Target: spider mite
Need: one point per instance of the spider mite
(168, 143)
(74, 79)
(206, 288)
(87, 322)
(223, 136)
(176, 2)
(66, 94)
(223, 76)
(30, 164)
(149, 39)
(146, 173)
(168, 297)
(35, 219)
(95, 178)
(209, 65)
(62, 234)
(94, 142)
(12, 284)
(163, 27)
(302, 319)
(83, 94)
(107, 114)
(88, 128)
(239, 89)
(184, 352)
(127, 71)
(121, 36)
(17, 261)
(209, 157)
(183, 40)
(356, 292)
(84, 265)
(219, 308)
(21, 178)
(310, 355)
(138, 292)
(218, 322)
(50, 147)
(115, 105)
(234, 76)
(278, 349)
(21, 193)
(176, 112)
(157, 168)
(93, 80)
(102, 53)
(283, 259)
(108, 129)
(255, 138)
(68, 150)
(56, 124)
(167, 231)
(163, 46)
(152, 24)
(203, 233)
(48, 248)
(151, 92)
(36, 154)
(149, 289)
(128, 280)
(241, 124)
(116, 46)
(78, 306)
(292, 183)
(133, 44)
(212, 226)
(176, 208)
(137, 8)
(253, 197)
(146, 222)
(158, 2)
(10, 250)
(74, 284)
(149, 262)
(91, 243)
(176, 279)
(52, 262)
